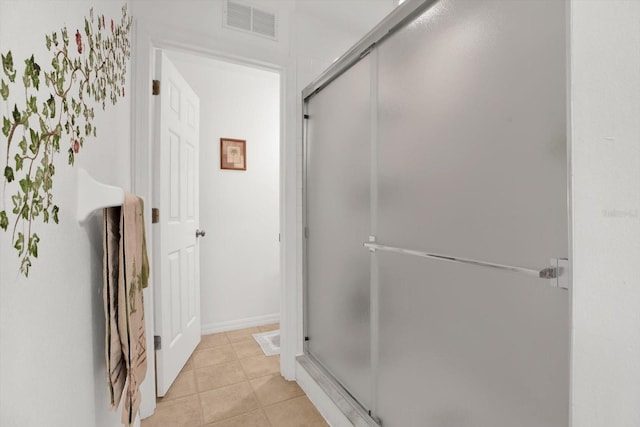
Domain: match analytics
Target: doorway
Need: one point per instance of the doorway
(239, 210)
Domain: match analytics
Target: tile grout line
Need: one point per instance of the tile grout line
(261, 406)
(286, 400)
(255, 395)
(247, 380)
(196, 379)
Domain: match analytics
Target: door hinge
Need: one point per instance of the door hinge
(155, 215)
(155, 87)
(157, 342)
(306, 232)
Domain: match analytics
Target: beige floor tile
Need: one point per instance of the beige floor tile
(252, 419)
(213, 340)
(216, 376)
(271, 327)
(213, 356)
(228, 402)
(259, 366)
(189, 365)
(183, 412)
(247, 348)
(274, 389)
(242, 334)
(298, 412)
(184, 385)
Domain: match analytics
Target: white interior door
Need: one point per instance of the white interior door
(176, 251)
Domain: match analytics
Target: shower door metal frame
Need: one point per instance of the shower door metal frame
(393, 22)
(397, 19)
(402, 15)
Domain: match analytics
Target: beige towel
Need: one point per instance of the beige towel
(124, 307)
(116, 368)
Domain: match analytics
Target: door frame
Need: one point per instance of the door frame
(142, 137)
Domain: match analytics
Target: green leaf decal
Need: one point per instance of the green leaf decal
(51, 103)
(16, 114)
(26, 184)
(33, 245)
(8, 174)
(56, 210)
(23, 146)
(17, 203)
(19, 162)
(25, 265)
(34, 72)
(7, 66)
(82, 69)
(33, 104)
(6, 126)
(4, 220)
(4, 90)
(19, 245)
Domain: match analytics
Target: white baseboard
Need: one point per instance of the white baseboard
(231, 325)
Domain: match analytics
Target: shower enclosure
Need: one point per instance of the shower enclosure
(436, 272)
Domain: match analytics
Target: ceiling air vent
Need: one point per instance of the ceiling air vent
(250, 19)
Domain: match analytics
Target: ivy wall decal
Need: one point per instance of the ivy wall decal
(87, 67)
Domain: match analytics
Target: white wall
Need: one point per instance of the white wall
(240, 255)
(52, 368)
(605, 97)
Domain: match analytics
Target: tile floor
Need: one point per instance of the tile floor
(229, 382)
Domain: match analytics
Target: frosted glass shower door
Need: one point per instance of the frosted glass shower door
(472, 164)
(338, 210)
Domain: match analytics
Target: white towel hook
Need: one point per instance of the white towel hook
(94, 195)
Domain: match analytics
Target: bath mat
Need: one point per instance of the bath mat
(269, 342)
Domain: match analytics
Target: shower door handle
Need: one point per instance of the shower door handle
(556, 271)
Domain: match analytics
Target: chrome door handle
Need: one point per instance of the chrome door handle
(556, 272)
(200, 233)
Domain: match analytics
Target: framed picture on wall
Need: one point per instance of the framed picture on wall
(233, 154)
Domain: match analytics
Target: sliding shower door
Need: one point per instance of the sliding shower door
(338, 206)
(472, 164)
(434, 292)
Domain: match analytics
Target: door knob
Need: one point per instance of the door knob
(200, 233)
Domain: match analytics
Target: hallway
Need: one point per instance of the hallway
(229, 382)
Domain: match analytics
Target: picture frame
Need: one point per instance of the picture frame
(233, 154)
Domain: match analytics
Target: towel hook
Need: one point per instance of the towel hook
(94, 195)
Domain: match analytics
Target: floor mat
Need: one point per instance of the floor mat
(269, 342)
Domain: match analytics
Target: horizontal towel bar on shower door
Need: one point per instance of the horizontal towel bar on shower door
(554, 271)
